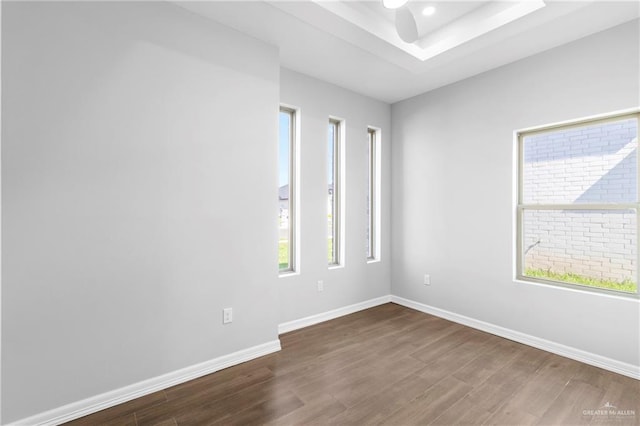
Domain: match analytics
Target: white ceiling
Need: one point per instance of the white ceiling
(354, 44)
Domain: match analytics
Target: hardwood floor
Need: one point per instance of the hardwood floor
(395, 366)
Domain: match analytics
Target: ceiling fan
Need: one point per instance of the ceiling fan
(406, 25)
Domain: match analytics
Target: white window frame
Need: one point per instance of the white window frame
(338, 192)
(521, 207)
(294, 192)
(374, 193)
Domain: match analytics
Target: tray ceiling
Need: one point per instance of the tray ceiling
(354, 44)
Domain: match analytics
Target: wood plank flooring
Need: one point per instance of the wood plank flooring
(394, 366)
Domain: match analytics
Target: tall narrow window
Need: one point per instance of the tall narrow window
(333, 188)
(373, 208)
(578, 204)
(286, 192)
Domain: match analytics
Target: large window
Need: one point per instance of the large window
(373, 197)
(287, 190)
(334, 190)
(578, 204)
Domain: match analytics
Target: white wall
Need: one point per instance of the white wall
(358, 280)
(452, 192)
(139, 196)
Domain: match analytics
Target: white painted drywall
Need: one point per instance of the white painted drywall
(357, 280)
(139, 196)
(452, 192)
(139, 188)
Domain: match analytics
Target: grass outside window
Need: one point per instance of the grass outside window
(626, 286)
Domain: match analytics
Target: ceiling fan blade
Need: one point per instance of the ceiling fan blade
(406, 25)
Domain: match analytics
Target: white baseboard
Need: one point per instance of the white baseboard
(109, 399)
(94, 404)
(329, 315)
(619, 367)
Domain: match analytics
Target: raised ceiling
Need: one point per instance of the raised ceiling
(354, 44)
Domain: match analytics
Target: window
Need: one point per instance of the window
(578, 204)
(334, 188)
(287, 190)
(373, 197)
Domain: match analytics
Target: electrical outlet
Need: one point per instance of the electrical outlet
(227, 315)
(427, 279)
(320, 285)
